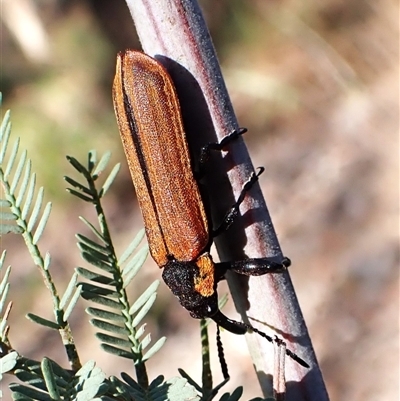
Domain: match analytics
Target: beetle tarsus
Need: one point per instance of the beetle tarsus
(218, 146)
(233, 212)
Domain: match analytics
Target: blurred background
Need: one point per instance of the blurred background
(317, 84)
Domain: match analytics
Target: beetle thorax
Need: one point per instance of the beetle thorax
(194, 284)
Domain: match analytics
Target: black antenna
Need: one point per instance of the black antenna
(278, 341)
(221, 355)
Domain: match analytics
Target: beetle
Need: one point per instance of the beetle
(176, 221)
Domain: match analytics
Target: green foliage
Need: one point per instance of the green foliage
(118, 320)
(176, 388)
(49, 381)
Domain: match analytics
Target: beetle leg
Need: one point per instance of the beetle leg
(252, 267)
(233, 212)
(218, 146)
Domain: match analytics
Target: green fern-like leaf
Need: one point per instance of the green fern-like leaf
(176, 388)
(235, 396)
(19, 188)
(8, 362)
(117, 320)
(119, 325)
(49, 381)
(70, 297)
(7, 219)
(23, 211)
(179, 390)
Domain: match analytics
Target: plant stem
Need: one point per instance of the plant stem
(174, 32)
